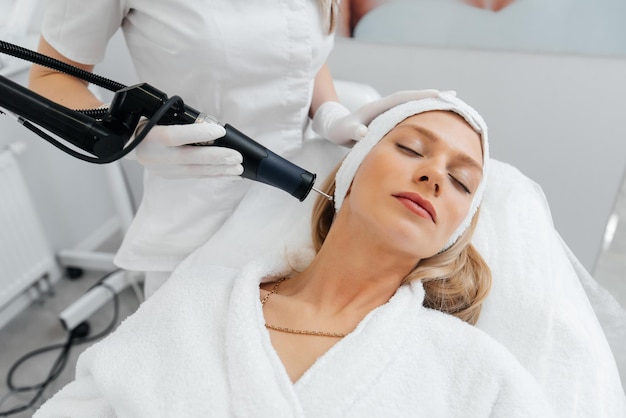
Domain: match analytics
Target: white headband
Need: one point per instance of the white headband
(388, 120)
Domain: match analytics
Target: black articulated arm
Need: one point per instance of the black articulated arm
(106, 135)
(97, 138)
(103, 134)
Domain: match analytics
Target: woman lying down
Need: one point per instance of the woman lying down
(375, 320)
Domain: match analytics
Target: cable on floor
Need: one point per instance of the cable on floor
(78, 335)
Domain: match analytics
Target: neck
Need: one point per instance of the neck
(352, 271)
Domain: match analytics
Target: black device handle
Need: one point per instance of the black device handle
(262, 165)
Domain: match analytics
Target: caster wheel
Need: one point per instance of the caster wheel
(73, 273)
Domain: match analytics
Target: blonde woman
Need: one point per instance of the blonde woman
(373, 320)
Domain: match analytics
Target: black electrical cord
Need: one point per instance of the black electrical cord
(49, 62)
(77, 336)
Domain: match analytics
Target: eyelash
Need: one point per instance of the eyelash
(409, 150)
(454, 179)
(460, 184)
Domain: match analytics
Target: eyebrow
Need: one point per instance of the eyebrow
(433, 137)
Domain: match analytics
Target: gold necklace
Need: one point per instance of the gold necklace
(291, 330)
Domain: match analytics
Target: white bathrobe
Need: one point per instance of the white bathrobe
(199, 347)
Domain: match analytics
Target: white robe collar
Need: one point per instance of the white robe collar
(260, 385)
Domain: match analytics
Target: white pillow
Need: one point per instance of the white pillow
(538, 308)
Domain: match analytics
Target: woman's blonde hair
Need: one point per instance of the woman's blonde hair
(456, 281)
(330, 14)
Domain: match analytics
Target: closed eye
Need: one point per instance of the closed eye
(408, 150)
(460, 184)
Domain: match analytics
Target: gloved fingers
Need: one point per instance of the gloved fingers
(359, 132)
(166, 151)
(151, 154)
(184, 171)
(333, 121)
(206, 154)
(370, 111)
(132, 155)
(175, 135)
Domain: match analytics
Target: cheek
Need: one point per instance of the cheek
(459, 208)
(369, 172)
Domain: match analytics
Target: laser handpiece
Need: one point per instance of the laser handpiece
(261, 164)
(108, 137)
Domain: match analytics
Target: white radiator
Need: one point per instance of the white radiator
(25, 254)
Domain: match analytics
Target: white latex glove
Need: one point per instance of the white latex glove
(167, 153)
(335, 122)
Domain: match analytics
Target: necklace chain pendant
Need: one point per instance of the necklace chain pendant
(291, 330)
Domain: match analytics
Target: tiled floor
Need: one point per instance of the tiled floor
(39, 326)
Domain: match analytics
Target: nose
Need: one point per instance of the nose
(427, 179)
(432, 177)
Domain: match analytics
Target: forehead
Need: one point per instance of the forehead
(438, 119)
(443, 125)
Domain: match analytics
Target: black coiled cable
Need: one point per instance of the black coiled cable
(49, 62)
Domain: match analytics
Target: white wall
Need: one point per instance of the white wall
(557, 118)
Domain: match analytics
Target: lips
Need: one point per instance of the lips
(418, 205)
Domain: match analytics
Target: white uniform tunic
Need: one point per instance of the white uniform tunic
(248, 63)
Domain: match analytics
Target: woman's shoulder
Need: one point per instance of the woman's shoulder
(194, 276)
(460, 340)
(191, 306)
(467, 351)
(456, 329)
(446, 329)
(194, 292)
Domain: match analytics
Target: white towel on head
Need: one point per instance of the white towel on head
(388, 120)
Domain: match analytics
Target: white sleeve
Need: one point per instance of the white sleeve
(80, 30)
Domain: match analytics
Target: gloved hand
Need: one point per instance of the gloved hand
(167, 153)
(336, 123)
